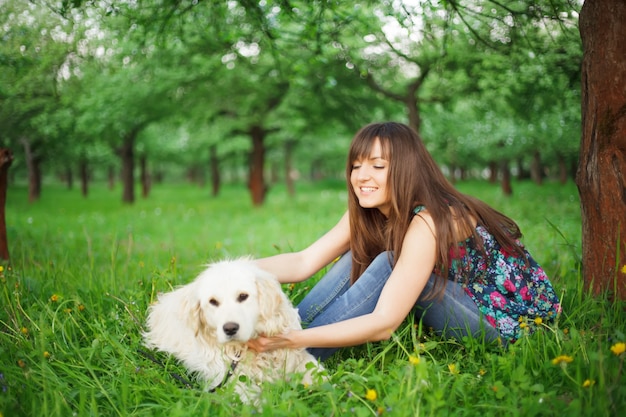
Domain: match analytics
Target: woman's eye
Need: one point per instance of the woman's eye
(379, 167)
(356, 167)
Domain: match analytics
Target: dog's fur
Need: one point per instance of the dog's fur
(206, 324)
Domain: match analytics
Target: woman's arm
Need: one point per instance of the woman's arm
(298, 266)
(409, 276)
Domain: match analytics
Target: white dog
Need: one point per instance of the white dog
(206, 324)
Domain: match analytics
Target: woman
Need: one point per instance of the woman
(411, 241)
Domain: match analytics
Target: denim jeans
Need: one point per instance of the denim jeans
(333, 299)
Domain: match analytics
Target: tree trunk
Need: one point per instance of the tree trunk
(507, 189)
(290, 173)
(536, 168)
(69, 177)
(215, 171)
(562, 169)
(34, 171)
(256, 181)
(413, 110)
(126, 152)
(144, 175)
(6, 158)
(84, 177)
(601, 175)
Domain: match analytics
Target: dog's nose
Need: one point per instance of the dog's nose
(230, 328)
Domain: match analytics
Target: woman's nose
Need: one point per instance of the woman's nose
(363, 173)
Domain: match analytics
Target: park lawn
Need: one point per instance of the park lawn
(83, 271)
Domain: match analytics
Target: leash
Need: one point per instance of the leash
(231, 371)
(186, 382)
(174, 375)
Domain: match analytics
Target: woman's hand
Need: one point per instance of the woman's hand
(265, 344)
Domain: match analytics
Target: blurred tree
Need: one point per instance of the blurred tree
(6, 158)
(34, 49)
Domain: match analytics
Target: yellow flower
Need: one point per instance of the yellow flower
(562, 359)
(24, 331)
(452, 368)
(46, 354)
(618, 348)
(623, 269)
(21, 363)
(588, 383)
(566, 331)
(1, 268)
(81, 307)
(68, 310)
(371, 395)
(482, 372)
(523, 325)
(414, 360)
(54, 298)
(538, 321)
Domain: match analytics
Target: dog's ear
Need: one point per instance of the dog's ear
(170, 326)
(191, 310)
(276, 314)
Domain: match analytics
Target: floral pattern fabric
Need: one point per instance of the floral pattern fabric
(514, 294)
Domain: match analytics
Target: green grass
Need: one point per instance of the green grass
(83, 271)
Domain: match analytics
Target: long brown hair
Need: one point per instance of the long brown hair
(414, 179)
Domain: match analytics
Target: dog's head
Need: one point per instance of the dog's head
(234, 301)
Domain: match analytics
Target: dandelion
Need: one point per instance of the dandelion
(618, 348)
(371, 395)
(566, 331)
(562, 359)
(523, 325)
(380, 411)
(291, 286)
(21, 363)
(24, 331)
(453, 369)
(482, 372)
(68, 310)
(46, 354)
(414, 360)
(54, 298)
(1, 268)
(81, 307)
(538, 321)
(588, 383)
(624, 269)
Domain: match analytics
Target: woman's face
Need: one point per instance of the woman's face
(369, 180)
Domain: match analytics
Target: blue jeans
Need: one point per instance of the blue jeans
(333, 299)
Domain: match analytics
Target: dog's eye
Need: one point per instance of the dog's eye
(242, 297)
(214, 302)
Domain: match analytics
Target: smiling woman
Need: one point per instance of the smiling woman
(368, 178)
(411, 242)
